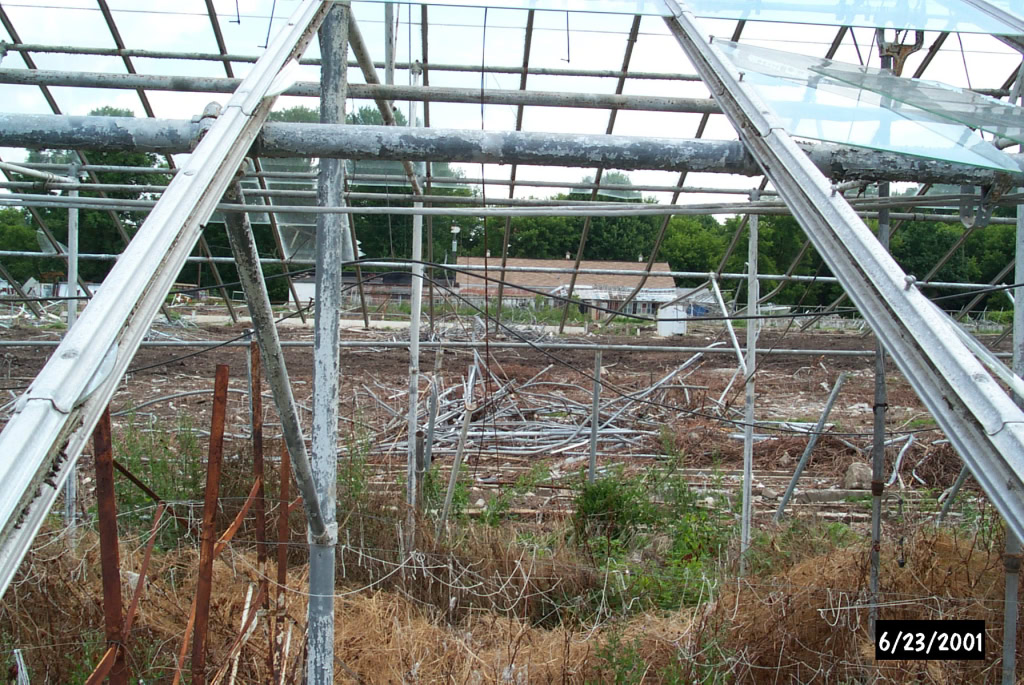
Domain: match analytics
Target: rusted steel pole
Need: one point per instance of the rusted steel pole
(283, 533)
(209, 536)
(256, 408)
(110, 561)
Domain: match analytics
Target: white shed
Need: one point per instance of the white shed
(672, 318)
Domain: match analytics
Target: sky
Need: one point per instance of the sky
(457, 35)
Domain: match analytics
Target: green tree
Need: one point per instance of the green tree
(17, 235)
(98, 231)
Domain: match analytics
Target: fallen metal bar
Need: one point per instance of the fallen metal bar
(106, 509)
(984, 425)
(206, 546)
(166, 136)
(459, 451)
(812, 440)
(62, 405)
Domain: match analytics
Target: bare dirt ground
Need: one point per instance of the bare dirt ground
(702, 422)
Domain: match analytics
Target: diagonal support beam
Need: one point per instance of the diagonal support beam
(54, 419)
(981, 421)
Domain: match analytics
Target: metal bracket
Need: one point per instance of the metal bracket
(897, 50)
(976, 212)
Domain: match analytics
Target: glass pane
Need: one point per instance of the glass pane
(811, 105)
(647, 7)
(970, 109)
(928, 15)
(945, 102)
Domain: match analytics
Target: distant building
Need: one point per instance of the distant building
(598, 292)
(690, 303)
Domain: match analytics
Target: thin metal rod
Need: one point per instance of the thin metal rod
(953, 491)
(453, 478)
(416, 301)
(333, 245)
(878, 442)
(506, 238)
(71, 484)
(749, 373)
(29, 302)
(228, 57)
(106, 509)
(364, 91)
(283, 537)
(595, 418)
(245, 256)
(1011, 564)
(630, 42)
(389, 43)
(256, 423)
(728, 324)
(209, 532)
(812, 440)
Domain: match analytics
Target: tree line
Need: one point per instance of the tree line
(691, 243)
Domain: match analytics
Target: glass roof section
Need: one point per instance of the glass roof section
(811, 105)
(953, 16)
(944, 101)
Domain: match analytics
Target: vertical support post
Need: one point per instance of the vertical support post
(110, 563)
(259, 507)
(277, 642)
(751, 366)
(209, 533)
(421, 467)
(878, 442)
(811, 442)
(333, 246)
(389, 43)
(1012, 559)
(71, 484)
(414, 351)
(1011, 563)
(428, 448)
(595, 418)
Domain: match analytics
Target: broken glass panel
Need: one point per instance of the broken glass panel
(812, 105)
(927, 15)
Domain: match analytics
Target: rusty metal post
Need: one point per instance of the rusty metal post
(110, 561)
(209, 536)
(260, 505)
(256, 414)
(283, 533)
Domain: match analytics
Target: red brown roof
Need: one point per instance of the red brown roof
(550, 281)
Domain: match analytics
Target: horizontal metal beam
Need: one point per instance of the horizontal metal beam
(168, 136)
(363, 91)
(470, 269)
(216, 57)
(449, 345)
